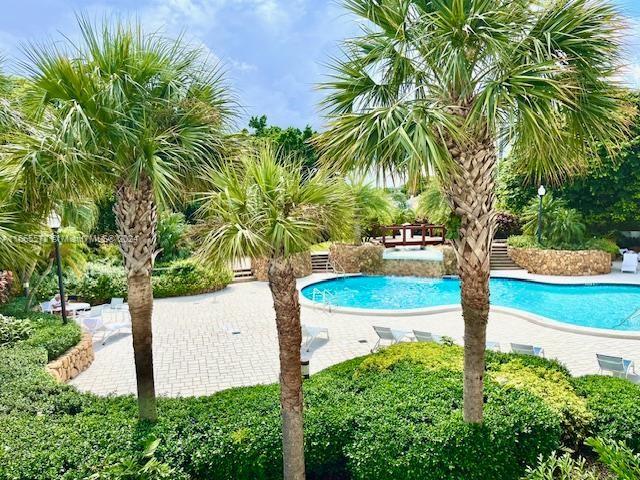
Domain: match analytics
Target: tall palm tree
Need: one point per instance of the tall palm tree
(432, 87)
(135, 113)
(268, 208)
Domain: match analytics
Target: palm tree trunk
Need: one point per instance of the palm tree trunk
(136, 219)
(472, 194)
(282, 283)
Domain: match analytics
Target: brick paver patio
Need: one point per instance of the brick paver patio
(196, 351)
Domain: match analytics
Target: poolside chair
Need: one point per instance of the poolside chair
(93, 322)
(311, 333)
(629, 263)
(116, 303)
(424, 336)
(387, 334)
(46, 307)
(618, 366)
(495, 346)
(527, 350)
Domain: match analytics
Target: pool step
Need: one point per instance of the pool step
(320, 263)
(500, 260)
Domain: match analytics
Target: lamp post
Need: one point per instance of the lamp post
(541, 193)
(54, 223)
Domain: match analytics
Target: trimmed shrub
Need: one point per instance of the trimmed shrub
(392, 415)
(103, 281)
(603, 244)
(187, 277)
(47, 331)
(615, 406)
(13, 330)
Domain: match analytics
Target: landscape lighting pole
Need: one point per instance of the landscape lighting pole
(541, 192)
(54, 223)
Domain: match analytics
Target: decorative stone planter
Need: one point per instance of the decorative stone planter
(346, 257)
(75, 361)
(368, 259)
(301, 266)
(561, 262)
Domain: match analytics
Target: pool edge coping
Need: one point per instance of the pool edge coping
(524, 315)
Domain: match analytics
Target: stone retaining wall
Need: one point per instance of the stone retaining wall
(301, 266)
(75, 361)
(561, 262)
(367, 259)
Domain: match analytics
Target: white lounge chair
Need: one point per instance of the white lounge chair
(618, 366)
(527, 350)
(495, 346)
(629, 263)
(46, 307)
(424, 336)
(94, 323)
(311, 333)
(387, 334)
(116, 303)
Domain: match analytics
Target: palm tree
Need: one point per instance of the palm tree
(267, 208)
(432, 87)
(124, 111)
(372, 205)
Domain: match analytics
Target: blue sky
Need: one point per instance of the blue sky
(273, 50)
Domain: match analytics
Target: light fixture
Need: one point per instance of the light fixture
(304, 367)
(542, 191)
(54, 221)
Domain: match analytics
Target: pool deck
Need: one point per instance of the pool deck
(197, 353)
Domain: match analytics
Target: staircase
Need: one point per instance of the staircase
(500, 260)
(242, 271)
(243, 275)
(320, 263)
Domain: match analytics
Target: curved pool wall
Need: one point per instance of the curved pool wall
(428, 254)
(595, 309)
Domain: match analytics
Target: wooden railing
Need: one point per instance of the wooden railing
(417, 234)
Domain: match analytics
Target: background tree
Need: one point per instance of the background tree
(607, 192)
(432, 87)
(293, 142)
(266, 208)
(136, 114)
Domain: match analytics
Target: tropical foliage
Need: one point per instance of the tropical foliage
(432, 206)
(266, 207)
(430, 88)
(126, 112)
(373, 207)
(560, 225)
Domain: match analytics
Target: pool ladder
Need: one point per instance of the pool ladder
(324, 295)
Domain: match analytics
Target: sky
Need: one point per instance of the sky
(274, 51)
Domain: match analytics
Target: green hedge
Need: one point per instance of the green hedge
(102, 281)
(529, 241)
(13, 330)
(186, 277)
(396, 414)
(45, 330)
(615, 404)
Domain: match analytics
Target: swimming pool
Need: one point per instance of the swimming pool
(596, 306)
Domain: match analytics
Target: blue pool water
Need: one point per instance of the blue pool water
(596, 306)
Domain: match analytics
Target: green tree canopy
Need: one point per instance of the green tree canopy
(293, 142)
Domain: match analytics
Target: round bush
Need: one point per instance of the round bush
(615, 406)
